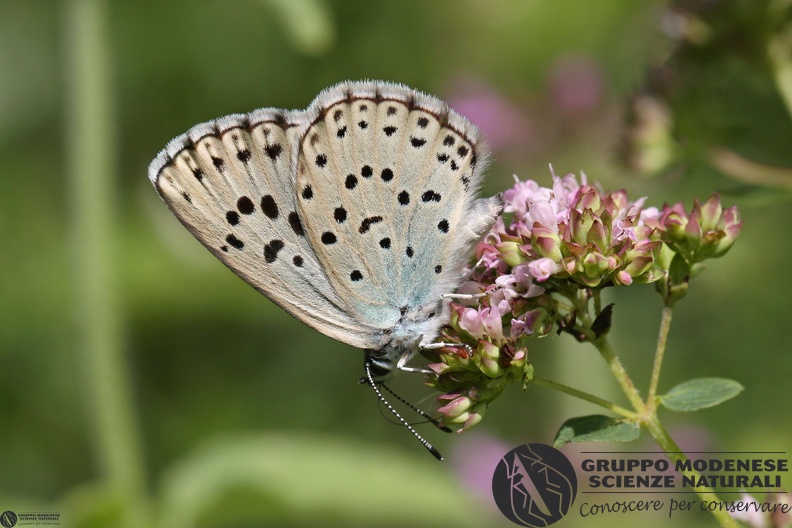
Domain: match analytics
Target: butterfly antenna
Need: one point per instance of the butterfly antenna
(429, 447)
(424, 414)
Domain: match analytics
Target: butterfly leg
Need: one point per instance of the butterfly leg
(402, 364)
(470, 271)
(434, 346)
(464, 296)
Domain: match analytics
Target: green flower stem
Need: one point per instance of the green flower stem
(779, 51)
(620, 374)
(749, 171)
(585, 396)
(647, 412)
(662, 338)
(597, 302)
(90, 147)
(668, 445)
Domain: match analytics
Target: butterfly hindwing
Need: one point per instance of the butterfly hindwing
(392, 174)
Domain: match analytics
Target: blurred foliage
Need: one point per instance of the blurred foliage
(296, 440)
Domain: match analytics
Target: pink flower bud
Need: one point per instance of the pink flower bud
(454, 412)
(510, 253)
(493, 324)
(587, 198)
(470, 321)
(710, 212)
(693, 229)
(543, 268)
(598, 235)
(623, 278)
(473, 418)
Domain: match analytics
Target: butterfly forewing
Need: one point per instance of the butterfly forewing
(231, 184)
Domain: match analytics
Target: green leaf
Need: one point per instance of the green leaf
(596, 428)
(700, 393)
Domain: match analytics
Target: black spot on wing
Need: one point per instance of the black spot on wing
(328, 238)
(438, 269)
(340, 215)
(341, 131)
(356, 276)
(443, 225)
(448, 141)
(366, 224)
(404, 198)
(389, 130)
(269, 207)
(417, 142)
(244, 155)
(363, 125)
(391, 110)
(386, 175)
(273, 151)
(198, 173)
(462, 151)
(271, 250)
(307, 192)
(218, 163)
(351, 181)
(297, 261)
(296, 225)
(366, 171)
(235, 242)
(409, 252)
(430, 196)
(321, 160)
(337, 115)
(385, 243)
(245, 205)
(232, 217)
(423, 122)
(442, 158)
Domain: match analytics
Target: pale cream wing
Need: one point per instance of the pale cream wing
(231, 183)
(386, 182)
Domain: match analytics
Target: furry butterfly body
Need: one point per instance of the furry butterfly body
(354, 215)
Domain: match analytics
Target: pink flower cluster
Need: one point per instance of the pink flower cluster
(542, 262)
(573, 231)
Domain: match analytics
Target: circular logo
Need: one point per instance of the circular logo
(8, 518)
(534, 485)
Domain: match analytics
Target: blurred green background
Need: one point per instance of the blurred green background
(145, 385)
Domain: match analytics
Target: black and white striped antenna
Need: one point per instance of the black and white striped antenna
(429, 447)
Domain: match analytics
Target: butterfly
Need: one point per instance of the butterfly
(356, 215)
